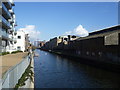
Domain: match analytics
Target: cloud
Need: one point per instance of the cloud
(31, 30)
(79, 31)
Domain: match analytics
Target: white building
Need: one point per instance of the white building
(20, 41)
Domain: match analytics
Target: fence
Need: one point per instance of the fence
(11, 77)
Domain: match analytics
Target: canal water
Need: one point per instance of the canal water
(54, 71)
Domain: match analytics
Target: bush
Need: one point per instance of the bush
(4, 53)
(16, 52)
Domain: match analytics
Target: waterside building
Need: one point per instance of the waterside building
(100, 46)
(7, 26)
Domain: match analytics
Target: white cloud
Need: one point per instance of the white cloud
(31, 30)
(79, 31)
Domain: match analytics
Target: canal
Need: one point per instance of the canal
(54, 71)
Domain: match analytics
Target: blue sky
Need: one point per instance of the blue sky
(55, 18)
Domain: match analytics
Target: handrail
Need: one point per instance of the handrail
(4, 20)
(6, 10)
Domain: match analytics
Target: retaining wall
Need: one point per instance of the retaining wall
(11, 77)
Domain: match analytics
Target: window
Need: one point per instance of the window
(18, 48)
(19, 37)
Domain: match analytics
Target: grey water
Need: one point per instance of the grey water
(54, 71)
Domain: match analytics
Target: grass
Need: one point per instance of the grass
(4, 53)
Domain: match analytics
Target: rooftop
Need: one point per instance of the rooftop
(108, 29)
(102, 32)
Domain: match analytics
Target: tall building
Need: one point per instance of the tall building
(7, 26)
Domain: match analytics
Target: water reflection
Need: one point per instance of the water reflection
(53, 71)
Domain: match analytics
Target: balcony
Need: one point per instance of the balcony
(15, 32)
(5, 24)
(15, 24)
(12, 28)
(12, 3)
(0, 19)
(0, 33)
(0, 9)
(11, 11)
(10, 31)
(4, 34)
(15, 39)
(11, 37)
(8, 4)
(11, 20)
(6, 12)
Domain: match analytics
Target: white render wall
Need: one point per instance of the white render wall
(20, 42)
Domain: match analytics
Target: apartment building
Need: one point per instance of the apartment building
(7, 26)
(21, 41)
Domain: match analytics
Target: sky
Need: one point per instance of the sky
(45, 20)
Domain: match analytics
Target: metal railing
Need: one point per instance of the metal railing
(8, 4)
(10, 37)
(11, 20)
(5, 21)
(0, 18)
(0, 33)
(6, 10)
(4, 33)
(15, 39)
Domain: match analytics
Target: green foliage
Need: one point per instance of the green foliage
(26, 75)
(4, 53)
(15, 52)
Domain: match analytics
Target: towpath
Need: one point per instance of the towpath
(10, 60)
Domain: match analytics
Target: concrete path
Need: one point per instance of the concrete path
(7, 61)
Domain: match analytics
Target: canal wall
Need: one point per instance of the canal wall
(11, 77)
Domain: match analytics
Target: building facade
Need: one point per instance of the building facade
(101, 46)
(7, 26)
(41, 44)
(58, 42)
(20, 41)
